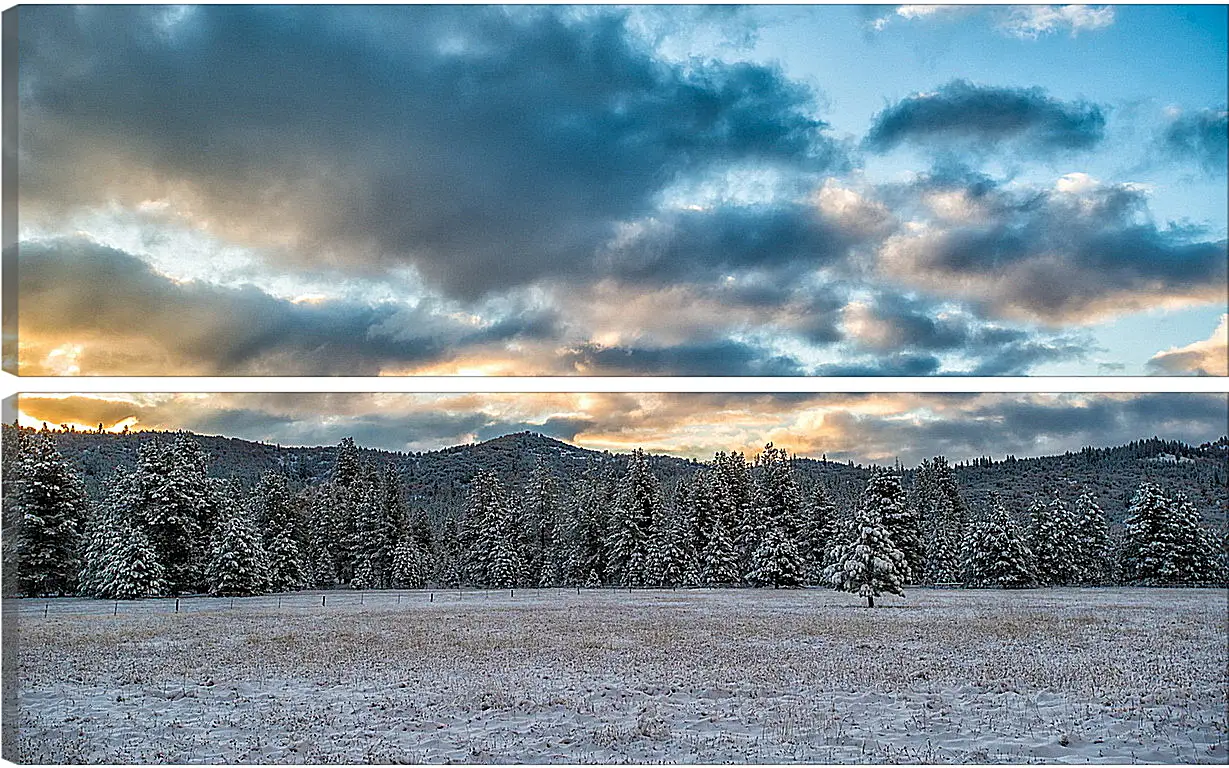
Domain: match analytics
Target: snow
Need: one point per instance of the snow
(1057, 675)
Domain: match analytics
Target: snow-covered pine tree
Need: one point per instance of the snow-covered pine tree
(1150, 550)
(1052, 540)
(581, 533)
(868, 563)
(539, 512)
(378, 517)
(777, 494)
(493, 557)
(49, 505)
(818, 533)
(321, 563)
(104, 533)
(667, 557)
(734, 492)
(238, 565)
(1196, 550)
(942, 515)
(131, 570)
(637, 502)
(719, 561)
(776, 561)
(885, 493)
(276, 517)
(407, 570)
(1092, 540)
(998, 555)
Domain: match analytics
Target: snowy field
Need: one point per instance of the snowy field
(1059, 675)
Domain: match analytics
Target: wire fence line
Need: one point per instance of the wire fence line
(30, 607)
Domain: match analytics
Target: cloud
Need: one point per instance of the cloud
(864, 427)
(1029, 22)
(487, 147)
(1077, 252)
(893, 322)
(1199, 138)
(130, 320)
(985, 118)
(707, 359)
(1209, 357)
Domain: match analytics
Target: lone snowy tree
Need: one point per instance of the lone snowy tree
(899, 518)
(869, 563)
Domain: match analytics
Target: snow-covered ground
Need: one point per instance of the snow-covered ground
(1060, 675)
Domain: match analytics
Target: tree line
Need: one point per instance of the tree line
(165, 527)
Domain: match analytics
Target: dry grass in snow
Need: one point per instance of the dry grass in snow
(1062, 675)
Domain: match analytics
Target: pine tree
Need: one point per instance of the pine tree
(885, 493)
(999, 556)
(776, 561)
(719, 564)
(131, 570)
(818, 533)
(1051, 538)
(273, 510)
(1196, 552)
(942, 515)
(238, 565)
(1150, 551)
(637, 502)
(538, 517)
(869, 563)
(493, 556)
(174, 503)
(49, 504)
(407, 568)
(1092, 540)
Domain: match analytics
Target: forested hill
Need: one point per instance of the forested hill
(434, 480)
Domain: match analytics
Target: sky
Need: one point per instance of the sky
(874, 427)
(677, 190)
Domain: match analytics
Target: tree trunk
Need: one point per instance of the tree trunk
(870, 601)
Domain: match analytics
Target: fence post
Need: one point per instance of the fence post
(362, 598)
(432, 597)
(511, 593)
(45, 606)
(279, 601)
(232, 602)
(177, 605)
(116, 611)
(322, 599)
(398, 598)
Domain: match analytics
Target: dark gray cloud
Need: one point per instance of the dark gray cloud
(1067, 253)
(487, 146)
(697, 245)
(716, 358)
(1199, 138)
(75, 290)
(1025, 425)
(898, 323)
(980, 117)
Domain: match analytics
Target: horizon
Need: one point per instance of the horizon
(871, 428)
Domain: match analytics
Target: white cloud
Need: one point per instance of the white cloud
(1028, 22)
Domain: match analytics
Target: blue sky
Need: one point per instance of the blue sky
(844, 190)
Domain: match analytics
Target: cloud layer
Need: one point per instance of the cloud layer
(867, 427)
(540, 190)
